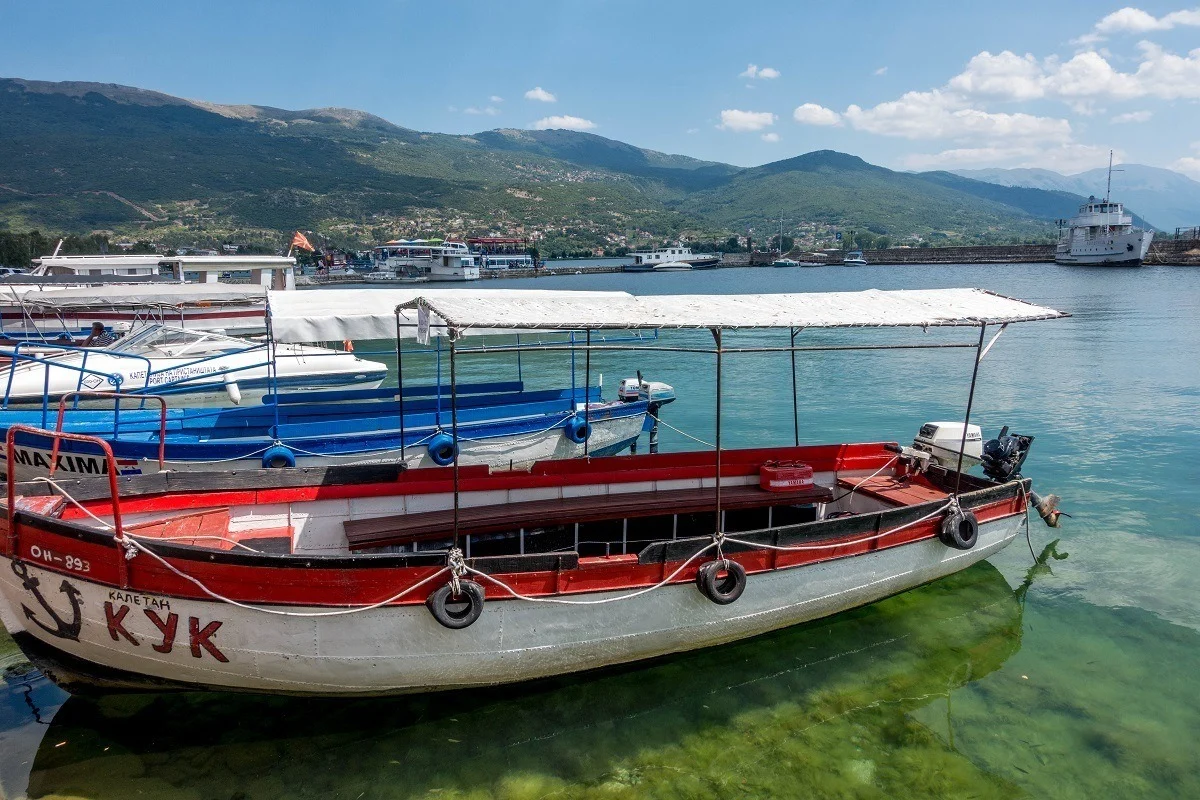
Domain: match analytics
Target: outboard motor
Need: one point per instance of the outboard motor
(1003, 456)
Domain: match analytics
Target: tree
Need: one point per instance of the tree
(731, 245)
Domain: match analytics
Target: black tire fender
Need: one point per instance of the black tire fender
(458, 612)
(722, 589)
(960, 530)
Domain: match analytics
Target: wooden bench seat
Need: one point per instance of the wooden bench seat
(404, 528)
(892, 490)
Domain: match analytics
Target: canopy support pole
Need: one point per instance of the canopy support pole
(454, 429)
(587, 386)
(970, 401)
(400, 385)
(716, 332)
(272, 373)
(438, 356)
(795, 408)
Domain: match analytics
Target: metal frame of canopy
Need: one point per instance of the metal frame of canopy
(460, 315)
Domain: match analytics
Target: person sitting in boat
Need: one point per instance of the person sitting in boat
(99, 337)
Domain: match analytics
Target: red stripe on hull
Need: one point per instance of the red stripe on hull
(300, 582)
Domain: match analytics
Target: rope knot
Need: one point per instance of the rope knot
(719, 541)
(458, 568)
(131, 549)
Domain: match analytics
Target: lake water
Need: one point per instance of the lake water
(1073, 679)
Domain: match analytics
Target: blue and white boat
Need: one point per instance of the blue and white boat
(498, 424)
(492, 423)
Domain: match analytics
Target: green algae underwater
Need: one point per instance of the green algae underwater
(921, 695)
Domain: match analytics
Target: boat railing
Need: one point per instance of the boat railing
(10, 445)
(116, 379)
(116, 397)
(19, 358)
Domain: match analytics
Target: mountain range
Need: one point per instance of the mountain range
(77, 157)
(1167, 199)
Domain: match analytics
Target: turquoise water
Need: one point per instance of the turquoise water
(1072, 679)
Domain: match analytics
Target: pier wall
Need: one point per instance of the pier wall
(1184, 252)
(998, 254)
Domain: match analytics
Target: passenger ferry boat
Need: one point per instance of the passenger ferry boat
(436, 259)
(1102, 234)
(376, 579)
(501, 252)
(669, 258)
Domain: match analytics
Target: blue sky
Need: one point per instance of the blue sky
(912, 85)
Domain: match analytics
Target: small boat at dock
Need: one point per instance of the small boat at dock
(855, 259)
(378, 579)
(192, 365)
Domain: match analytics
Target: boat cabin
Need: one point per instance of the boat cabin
(662, 256)
(272, 272)
(499, 252)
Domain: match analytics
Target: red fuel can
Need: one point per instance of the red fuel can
(785, 476)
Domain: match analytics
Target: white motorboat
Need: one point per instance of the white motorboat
(437, 259)
(668, 258)
(855, 259)
(1103, 234)
(163, 359)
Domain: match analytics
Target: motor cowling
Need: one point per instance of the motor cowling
(1003, 456)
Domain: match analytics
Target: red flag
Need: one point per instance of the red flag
(300, 241)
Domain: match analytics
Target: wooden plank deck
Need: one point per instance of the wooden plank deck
(897, 491)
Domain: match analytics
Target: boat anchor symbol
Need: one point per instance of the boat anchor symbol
(62, 628)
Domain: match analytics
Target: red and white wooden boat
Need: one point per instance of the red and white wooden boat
(375, 580)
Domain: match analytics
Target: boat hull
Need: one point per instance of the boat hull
(497, 443)
(1119, 250)
(401, 649)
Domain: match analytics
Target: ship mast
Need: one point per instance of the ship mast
(1108, 187)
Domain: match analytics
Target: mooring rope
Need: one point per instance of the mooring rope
(457, 566)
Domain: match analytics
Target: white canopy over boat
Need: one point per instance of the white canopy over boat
(467, 313)
(330, 315)
(174, 295)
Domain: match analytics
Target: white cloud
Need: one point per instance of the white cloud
(762, 73)
(943, 115)
(1066, 158)
(496, 98)
(1188, 165)
(770, 137)
(813, 114)
(1005, 75)
(745, 121)
(1133, 116)
(541, 95)
(1008, 76)
(1135, 20)
(490, 111)
(693, 130)
(566, 122)
(880, 71)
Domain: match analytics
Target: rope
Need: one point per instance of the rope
(457, 567)
(1028, 537)
(827, 545)
(73, 501)
(601, 601)
(277, 612)
(688, 435)
(850, 494)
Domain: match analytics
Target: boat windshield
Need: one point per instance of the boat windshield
(159, 340)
